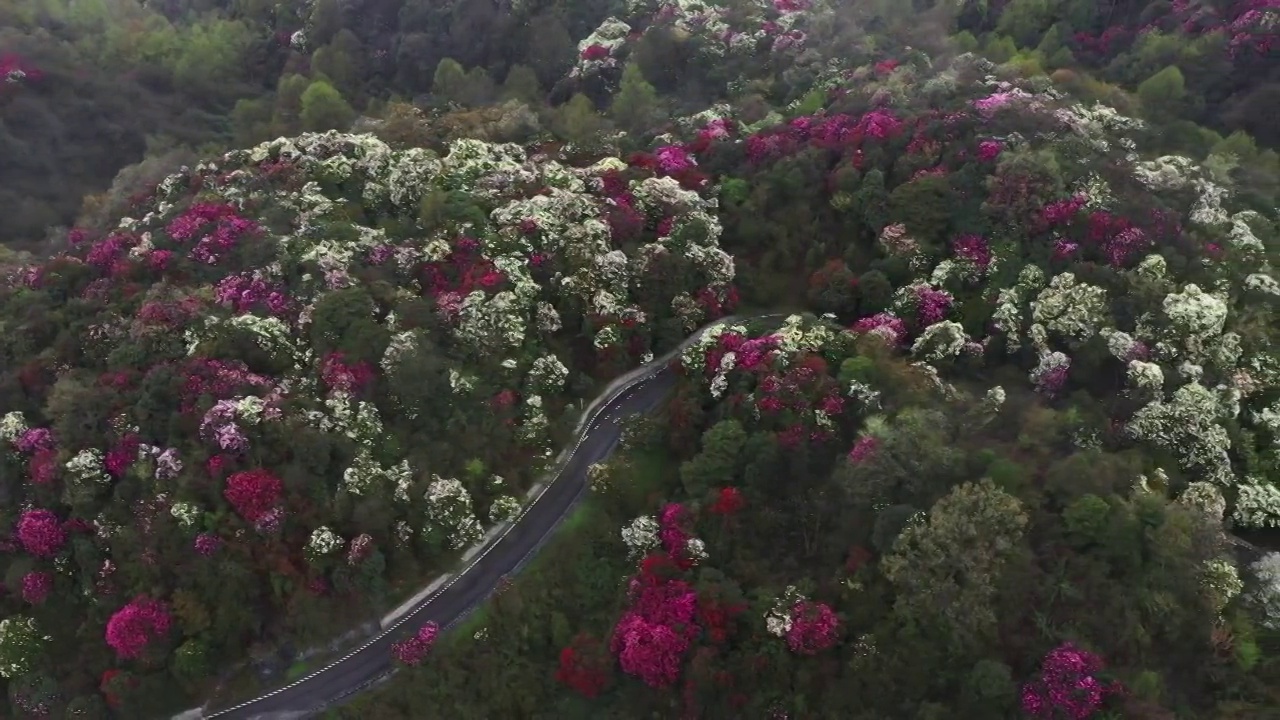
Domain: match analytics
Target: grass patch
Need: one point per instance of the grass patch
(297, 670)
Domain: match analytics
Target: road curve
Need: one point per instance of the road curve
(506, 554)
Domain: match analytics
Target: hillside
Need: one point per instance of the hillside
(993, 464)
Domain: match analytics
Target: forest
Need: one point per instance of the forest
(298, 303)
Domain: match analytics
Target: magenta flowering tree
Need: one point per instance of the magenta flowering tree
(41, 533)
(136, 625)
(1068, 686)
(814, 628)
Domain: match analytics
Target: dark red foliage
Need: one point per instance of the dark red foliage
(253, 493)
(728, 501)
(585, 666)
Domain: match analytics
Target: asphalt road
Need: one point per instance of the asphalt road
(372, 661)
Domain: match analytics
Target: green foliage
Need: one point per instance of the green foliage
(323, 108)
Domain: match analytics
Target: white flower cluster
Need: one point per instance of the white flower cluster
(20, 643)
(641, 536)
(365, 474)
(1187, 425)
(449, 510)
(185, 513)
(324, 541)
(87, 467)
(777, 620)
(940, 341)
(1221, 582)
(1071, 309)
(12, 425)
(1266, 595)
(504, 509)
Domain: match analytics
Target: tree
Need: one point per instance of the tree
(521, 84)
(1164, 94)
(449, 81)
(719, 460)
(577, 120)
(323, 108)
(636, 105)
(946, 570)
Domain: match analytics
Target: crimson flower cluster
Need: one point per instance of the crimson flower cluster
(585, 666)
(253, 493)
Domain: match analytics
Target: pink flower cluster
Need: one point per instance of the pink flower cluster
(36, 587)
(206, 544)
(653, 636)
(137, 625)
(932, 304)
(339, 376)
(836, 132)
(218, 379)
(1068, 686)
(217, 225)
(412, 651)
(814, 628)
(864, 449)
(34, 439)
(244, 292)
(40, 533)
(122, 456)
(673, 159)
(973, 248)
(886, 325)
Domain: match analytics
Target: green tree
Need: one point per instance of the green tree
(946, 569)
(636, 106)
(577, 120)
(719, 460)
(287, 115)
(323, 108)
(521, 84)
(1164, 94)
(449, 81)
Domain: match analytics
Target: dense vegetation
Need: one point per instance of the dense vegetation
(257, 394)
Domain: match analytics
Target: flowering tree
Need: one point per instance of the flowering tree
(253, 493)
(137, 625)
(41, 533)
(1068, 686)
(814, 628)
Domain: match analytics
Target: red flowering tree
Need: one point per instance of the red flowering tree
(253, 493)
(40, 533)
(585, 666)
(727, 501)
(136, 625)
(36, 587)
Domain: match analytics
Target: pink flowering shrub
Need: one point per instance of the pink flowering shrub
(1068, 686)
(885, 325)
(136, 625)
(814, 628)
(864, 449)
(41, 533)
(412, 651)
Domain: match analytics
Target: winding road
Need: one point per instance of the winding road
(504, 555)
